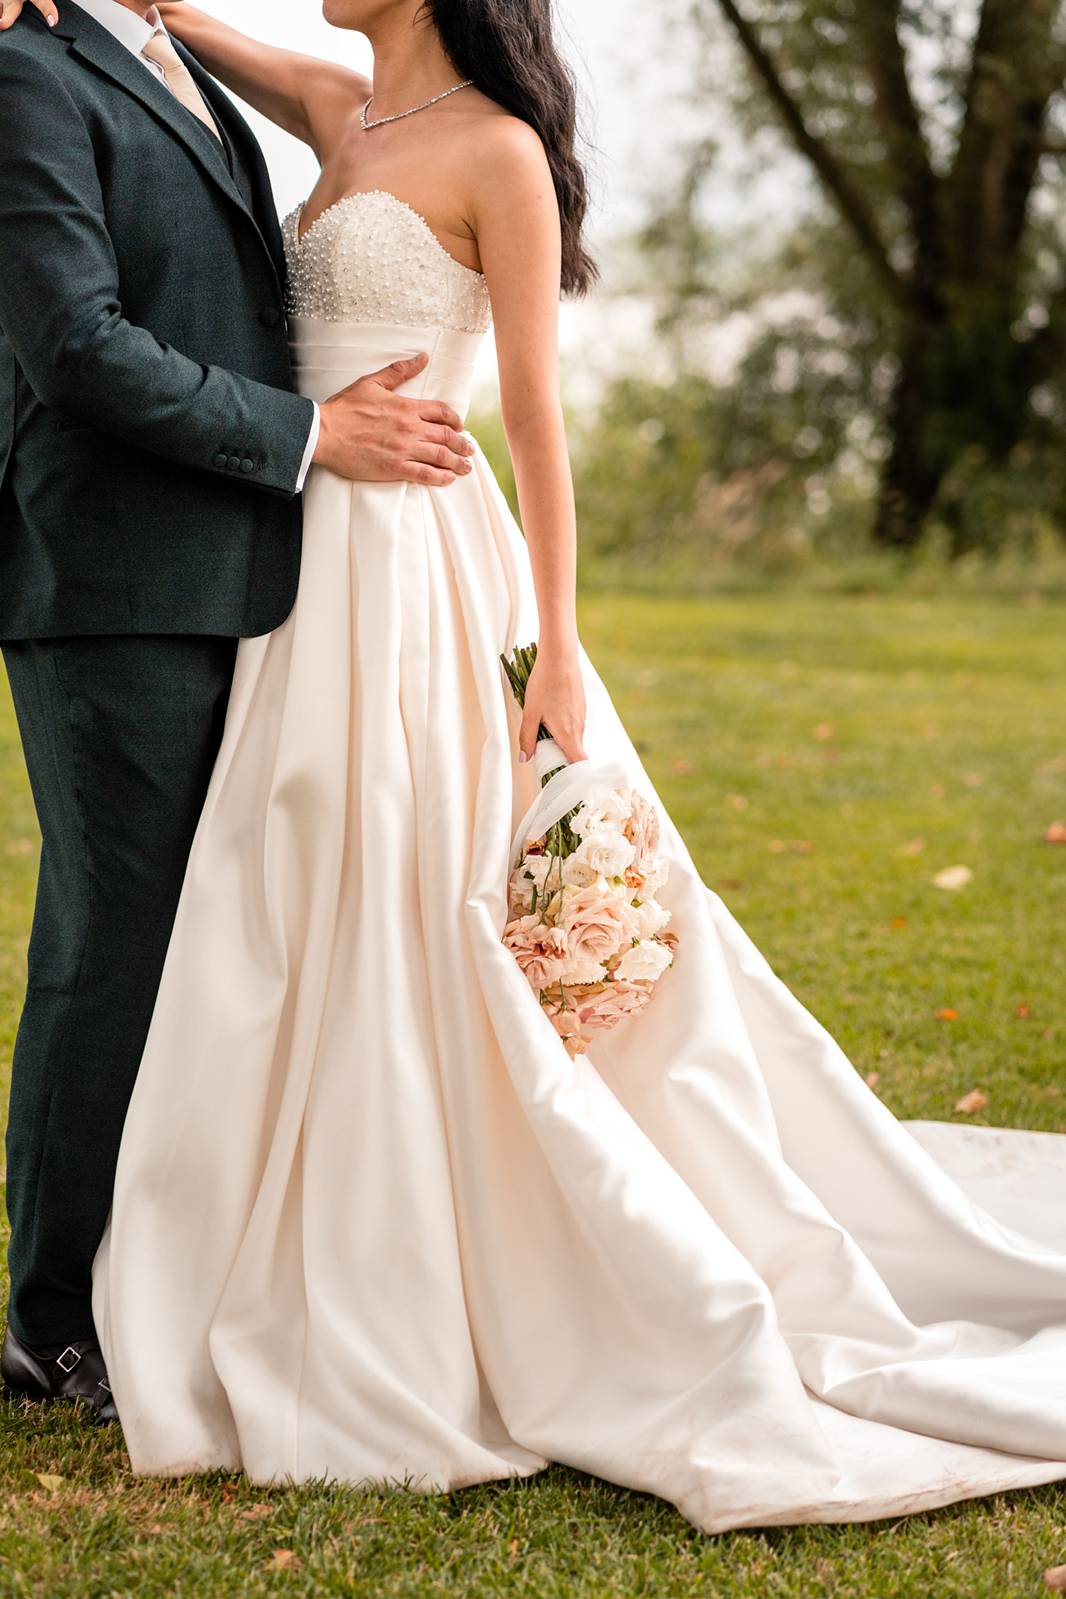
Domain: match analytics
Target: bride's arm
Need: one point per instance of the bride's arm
(309, 98)
(516, 219)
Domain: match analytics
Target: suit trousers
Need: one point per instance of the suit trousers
(120, 735)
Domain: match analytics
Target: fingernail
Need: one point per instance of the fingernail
(522, 757)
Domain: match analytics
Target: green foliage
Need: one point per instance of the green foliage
(939, 722)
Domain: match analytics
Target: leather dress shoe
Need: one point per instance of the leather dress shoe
(58, 1371)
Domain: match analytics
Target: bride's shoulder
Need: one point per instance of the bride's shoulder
(506, 146)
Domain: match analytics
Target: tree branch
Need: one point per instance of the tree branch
(835, 176)
(916, 181)
(1002, 136)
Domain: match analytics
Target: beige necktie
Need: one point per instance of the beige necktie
(180, 80)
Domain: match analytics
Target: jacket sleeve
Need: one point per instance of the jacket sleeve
(60, 309)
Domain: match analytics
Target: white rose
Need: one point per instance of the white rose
(655, 878)
(605, 852)
(643, 963)
(649, 918)
(604, 807)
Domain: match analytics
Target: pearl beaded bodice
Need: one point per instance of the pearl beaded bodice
(371, 258)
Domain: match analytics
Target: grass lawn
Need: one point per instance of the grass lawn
(825, 757)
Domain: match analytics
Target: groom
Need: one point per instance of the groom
(152, 452)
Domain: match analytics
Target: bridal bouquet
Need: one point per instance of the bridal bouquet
(583, 921)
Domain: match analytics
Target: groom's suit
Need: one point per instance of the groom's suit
(150, 451)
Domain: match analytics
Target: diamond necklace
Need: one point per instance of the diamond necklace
(367, 125)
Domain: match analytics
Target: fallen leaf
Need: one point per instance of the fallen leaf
(802, 846)
(936, 791)
(46, 1480)
(897, 922)
(738, 802)
(946, 1014)
(284, 1560)
(729, 884)
(682, 767)
(973, 779)
(1022, 1012)
(777, 845)
(953, 878)
(512, 1548)
(913, 846)
(255, 1512)
(1056, 833)
(1055, 1578)
(972, 1101)
(823, 730)
(872, 1079)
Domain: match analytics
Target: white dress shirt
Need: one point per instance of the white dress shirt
(134, 32)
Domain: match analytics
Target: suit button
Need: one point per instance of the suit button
(270, 316)
(247, 465)
(234, 463)
(220, 460)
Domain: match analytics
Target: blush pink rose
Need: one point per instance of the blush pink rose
(539, 950)
(597, 923)
(616, 1002)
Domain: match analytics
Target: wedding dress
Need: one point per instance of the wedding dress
(373, 1223)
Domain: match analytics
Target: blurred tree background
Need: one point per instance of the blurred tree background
(894, 375)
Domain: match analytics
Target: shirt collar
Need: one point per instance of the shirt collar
(125, 25)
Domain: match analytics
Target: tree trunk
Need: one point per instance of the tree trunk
(913, 472)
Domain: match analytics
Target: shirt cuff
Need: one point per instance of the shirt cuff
(312, 446)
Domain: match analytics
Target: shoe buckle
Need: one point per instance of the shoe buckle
(68, 1359)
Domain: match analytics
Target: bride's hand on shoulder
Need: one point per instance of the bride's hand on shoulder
(555, 695)
(11, 10)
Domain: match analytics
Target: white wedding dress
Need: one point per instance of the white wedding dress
(371, 1221)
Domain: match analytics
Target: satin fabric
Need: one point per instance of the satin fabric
(372, 1223)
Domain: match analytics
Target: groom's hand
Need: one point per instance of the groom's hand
(371, 434)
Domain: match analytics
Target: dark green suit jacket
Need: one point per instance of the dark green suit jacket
(150, 441)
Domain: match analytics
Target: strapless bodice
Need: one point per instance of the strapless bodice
(371, 258)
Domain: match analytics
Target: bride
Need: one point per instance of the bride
(371, 1220)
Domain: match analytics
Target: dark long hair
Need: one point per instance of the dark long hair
(508, 48)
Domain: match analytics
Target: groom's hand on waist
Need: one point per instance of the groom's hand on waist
(371, 434)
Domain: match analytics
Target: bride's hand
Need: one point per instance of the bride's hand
(555, 696)
(11, 10)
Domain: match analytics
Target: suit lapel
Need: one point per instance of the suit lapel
(104, 53)
(245, 158)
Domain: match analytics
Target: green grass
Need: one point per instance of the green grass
(802, 744)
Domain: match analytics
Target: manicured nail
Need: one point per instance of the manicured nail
(522, 757)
